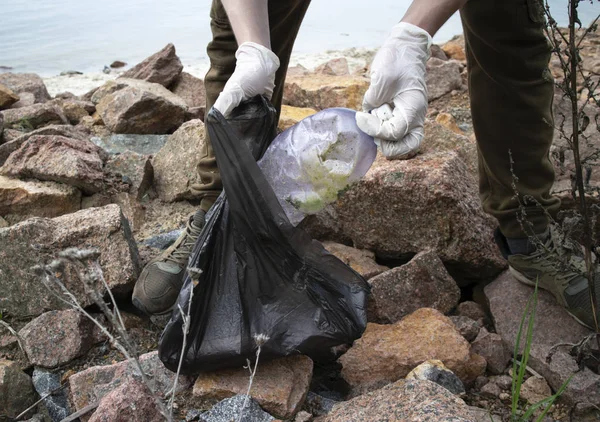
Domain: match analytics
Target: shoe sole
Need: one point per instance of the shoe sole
(138, 304)
(524, 280)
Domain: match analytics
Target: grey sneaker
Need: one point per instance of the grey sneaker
(158, 286)
(560, 274)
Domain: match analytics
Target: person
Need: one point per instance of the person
(511, 97)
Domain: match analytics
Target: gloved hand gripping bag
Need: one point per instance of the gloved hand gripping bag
(260, 275)
(311, 162)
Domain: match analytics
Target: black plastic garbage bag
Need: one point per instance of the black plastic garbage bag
(259, 274)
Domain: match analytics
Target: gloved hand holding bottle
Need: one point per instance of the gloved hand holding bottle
(398, 80)
(395, 105)
(256, 64)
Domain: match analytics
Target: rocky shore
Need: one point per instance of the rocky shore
(112, 169)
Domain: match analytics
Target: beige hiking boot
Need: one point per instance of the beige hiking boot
(158, 286)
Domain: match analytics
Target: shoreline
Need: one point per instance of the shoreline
(79, 84)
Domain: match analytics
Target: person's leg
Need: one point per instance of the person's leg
(511, 103)
(285, 18)
(159, 283)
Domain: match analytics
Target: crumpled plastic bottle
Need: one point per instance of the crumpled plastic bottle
(310, 163)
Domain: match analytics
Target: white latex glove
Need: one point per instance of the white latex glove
(398, 79)
(254, 74)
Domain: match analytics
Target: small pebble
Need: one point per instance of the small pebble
(480, 381)
(504, 382)
(490, 390)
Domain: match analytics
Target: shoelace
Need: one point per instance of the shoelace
(551, 261)
(181, 254)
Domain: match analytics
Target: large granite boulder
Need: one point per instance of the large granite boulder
(403, 207)
(421, 283)
(190, 89)
(73, 162)
(162, 67)
(34, 116)
(21, 83)
(39, 240)
(21, 199)
(70, 329)
(442, 77)
(67, 131)
(175, 164)
(142, 108)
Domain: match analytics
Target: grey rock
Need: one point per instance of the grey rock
(190, 89)
(480, 381)
(442, 77)
(141, 144)
(467, 327)
(26, 83)
(483, 415)
(503, 381)
(129, 402)
(421, 283)
(61, 130)
(230, 409)
(553, 325)
(412, 400)
(175, 164)
(16, 390)
(142, 108)
(164, 240)
(162, 67)
(317, 404)
(492, 348)
(75, 110)
(34, 116)
(438, 53)
(435, 371)
(490, 390)
(26, 99)
(133, 169)
(70, 329)
(39, 240)
(334, 67)
(57, 404)
(471, 310)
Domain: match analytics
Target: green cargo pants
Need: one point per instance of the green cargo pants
(511, 100)
(285, 17)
